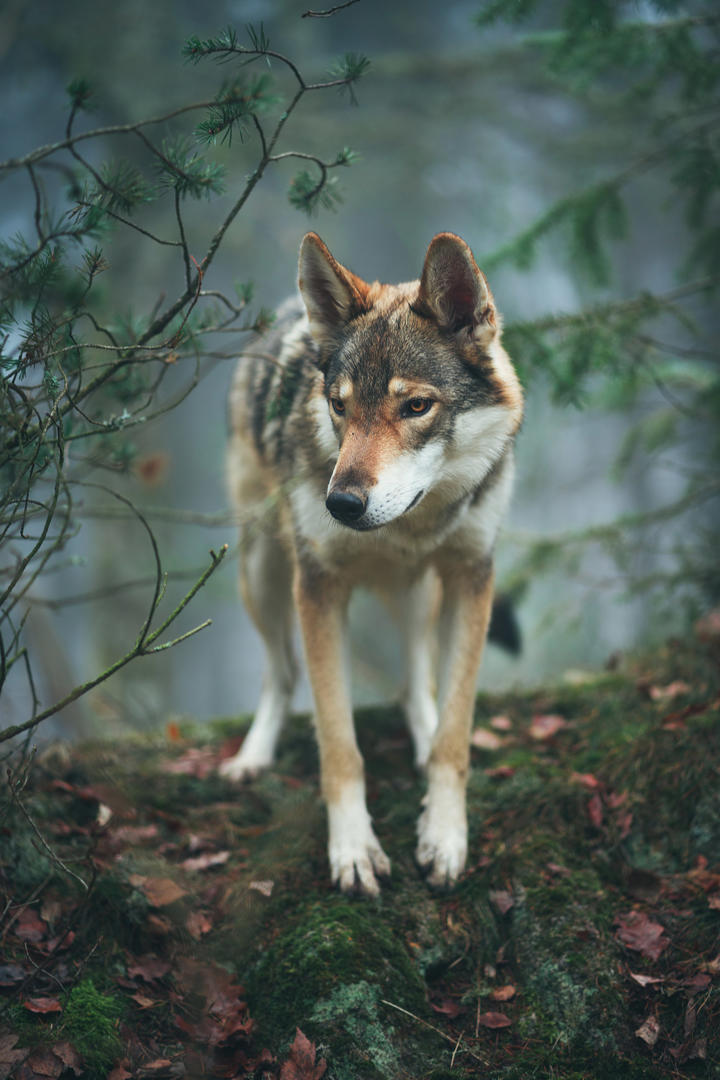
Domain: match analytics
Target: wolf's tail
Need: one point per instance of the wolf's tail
(504, 627)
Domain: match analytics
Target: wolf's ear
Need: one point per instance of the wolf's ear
(455, 292)
(331, 293)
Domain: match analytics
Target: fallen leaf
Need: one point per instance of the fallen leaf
(197, 761)
(493, 1020)
(206, 861)
(587, 780)
(714, 901)
(646, 980)
(144, 1001)
(502, 900)
(148, 967)
(649, 1031)
(42, 1005)
(161, 891)
(198, 923)
(69, 1056)
(501, 723)
(120, 1071)
(485, 739)
(696, 983)
(301, 1064)
(544, 727)
(43, 1063)
(595, 810)
(264, 887)
(667, 693)
(447, 1007)
(502, 772)
(503, 993)
(157, 1065)
(638, 932)
(29, 926)
(9, 1056)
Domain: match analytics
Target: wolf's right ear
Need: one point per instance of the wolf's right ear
(332, 294)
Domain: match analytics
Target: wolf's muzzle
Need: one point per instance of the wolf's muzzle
(345, 507)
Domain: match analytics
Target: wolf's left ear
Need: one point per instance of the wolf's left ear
(332, 294)
(455, 292)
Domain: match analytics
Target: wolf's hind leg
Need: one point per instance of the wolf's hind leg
(418, 615)
(266, 586)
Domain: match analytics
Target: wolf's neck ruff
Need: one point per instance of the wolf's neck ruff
(385, 417)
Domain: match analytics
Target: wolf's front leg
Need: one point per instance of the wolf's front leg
(354, 852)
(442, 828)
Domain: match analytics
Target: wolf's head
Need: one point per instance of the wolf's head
(419, 389)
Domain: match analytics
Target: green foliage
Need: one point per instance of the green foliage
(349, 70)
(90, 1024)
(236, 101)
(310, 194)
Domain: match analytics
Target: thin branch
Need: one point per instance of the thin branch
(330, 11)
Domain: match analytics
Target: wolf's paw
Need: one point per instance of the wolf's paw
(243, 767)
(354, 864)
(442, 846)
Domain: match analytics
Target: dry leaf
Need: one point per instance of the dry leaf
(587, 780)
(595, 810)
(649, 1031)
(503, 993)
(42, 1005)
(206, 861)
(646, 980)
(198, 923)
(501, 723)
(502, 899)
(485, 739)
(264, 887)
(544, 727)
(638, 932)
(301, 1064)
(494, 1020)
(161, 891)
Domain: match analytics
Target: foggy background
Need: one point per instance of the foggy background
(457, 131)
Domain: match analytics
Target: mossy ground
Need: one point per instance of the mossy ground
(617, 812)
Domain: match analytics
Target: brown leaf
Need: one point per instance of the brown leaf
(43, 1063)
(649, 1031)
(264, 887)
(494, 1020)
(502, 900)
(595, 810)
(447, 1007)
(9, 1056)
(638, 932)
(42, 1005)
(161, 891)
(69, 1056)
(544, 727)
(120, 1071)
(198, 923)
(503, 993)
(148, 967)
(502, 772)
(301, 1064)
(29, 926)
(646, 980)
(206, 861)
(501, 723)
(144, 1001)
(197, 761)
(714, 901)
(485, 739)
(667, 693)
(588, 780)
(157, 1065)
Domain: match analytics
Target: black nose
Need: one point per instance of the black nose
(344, 506)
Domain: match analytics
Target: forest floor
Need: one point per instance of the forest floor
(159, 922)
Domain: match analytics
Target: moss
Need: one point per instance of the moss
(331, 944)
(352, 1011)
(90, 1023)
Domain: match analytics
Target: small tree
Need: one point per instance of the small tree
(74, 371)
(655, 349)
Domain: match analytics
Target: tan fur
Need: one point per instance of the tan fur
(419, 500)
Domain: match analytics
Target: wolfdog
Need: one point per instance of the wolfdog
(375, 426)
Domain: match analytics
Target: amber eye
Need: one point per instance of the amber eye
(418, 405)
(338, 405)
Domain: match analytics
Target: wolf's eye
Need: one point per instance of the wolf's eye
(338, 405)
(418, 405)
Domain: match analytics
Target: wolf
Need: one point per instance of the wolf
(374, 427)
